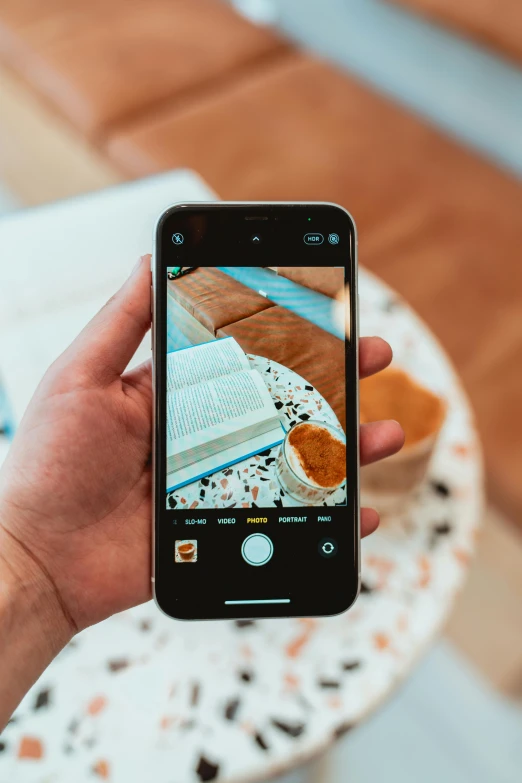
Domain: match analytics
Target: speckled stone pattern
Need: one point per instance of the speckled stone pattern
(252, 483)
(143, 698)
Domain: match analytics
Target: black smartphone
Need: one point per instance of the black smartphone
(256, 420)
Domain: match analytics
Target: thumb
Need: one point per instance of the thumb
(106, 345)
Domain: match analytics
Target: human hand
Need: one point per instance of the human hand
(75, 492)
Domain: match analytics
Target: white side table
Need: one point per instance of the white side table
(141, 697)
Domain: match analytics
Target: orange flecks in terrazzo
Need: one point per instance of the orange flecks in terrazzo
(224, 497)
(183, 500)
(255, 491)
(224, 483)
(167, 721)
(101, 768)
(291, 681)
(246, 651)
(462, 556)
(382, 641)
(247, 727)
(335, 702)
(194, 504)
(30, 748)
(461, 450)
(96, 705)
(294, 648)
(425, 569)
(402, 623)
(245, 505)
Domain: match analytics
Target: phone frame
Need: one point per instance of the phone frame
(354, 303)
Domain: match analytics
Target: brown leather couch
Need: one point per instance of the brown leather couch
(226, 308)
(157, 84)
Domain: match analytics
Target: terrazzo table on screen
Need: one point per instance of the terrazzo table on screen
(141, 697)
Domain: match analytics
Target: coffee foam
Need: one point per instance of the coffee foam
(295, 462)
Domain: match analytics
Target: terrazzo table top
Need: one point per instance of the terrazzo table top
(253, 482)
(144, 698)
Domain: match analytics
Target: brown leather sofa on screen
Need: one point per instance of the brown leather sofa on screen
(219, 306)
(159, 84)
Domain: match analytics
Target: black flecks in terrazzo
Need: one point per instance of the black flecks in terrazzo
(246, 676)
(13, 719)
(437, 532)
(366, 589)
(231, 709)
(205, 481)
(214, 485)
(172, 502)
(68, 749)
(73, 726)
(278, 404)
(304, 416)
(292, 729)
(278, 501)
(206, 770)
(244, 623)
(195, 694)
(309, 388)
(441, 489)
(3, 746)
(350, 666)
(145, 625)
(265, 453)
(329, 684)
(390, 305)
(260, 740)
(202, 494)
(118, 665)
(42, 699)
(342, 729)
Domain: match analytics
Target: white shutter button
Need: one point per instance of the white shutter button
(257, 549)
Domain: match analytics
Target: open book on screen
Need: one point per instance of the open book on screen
(219, 411)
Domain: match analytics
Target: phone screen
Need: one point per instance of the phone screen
(256, 416)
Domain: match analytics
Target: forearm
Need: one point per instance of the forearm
(32, 628)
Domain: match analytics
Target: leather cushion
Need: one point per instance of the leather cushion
(316, 355)
(327, 280)
(104, 61)
(497, 23)
(215, 299)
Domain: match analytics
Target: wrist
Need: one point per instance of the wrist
(33, 625)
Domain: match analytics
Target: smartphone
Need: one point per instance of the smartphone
(256, 420)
